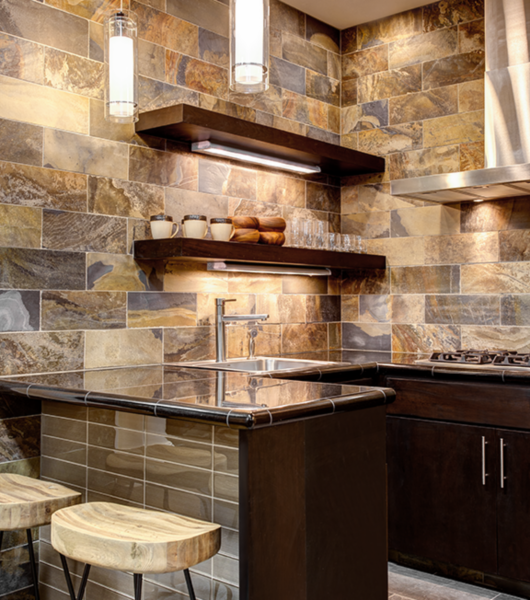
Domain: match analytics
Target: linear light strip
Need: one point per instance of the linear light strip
(269, 269)
(252, 157)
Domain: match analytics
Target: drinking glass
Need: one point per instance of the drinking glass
(307, 233)
(295, 233)
(346, 245)
(335, 241)
(318, 234)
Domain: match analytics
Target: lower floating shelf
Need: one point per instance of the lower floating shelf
(209, 250)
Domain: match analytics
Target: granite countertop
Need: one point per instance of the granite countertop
(227, 399)
(370, 363)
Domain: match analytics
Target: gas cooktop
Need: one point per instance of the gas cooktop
(497, 359)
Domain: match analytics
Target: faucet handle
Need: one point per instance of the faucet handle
(223, 301)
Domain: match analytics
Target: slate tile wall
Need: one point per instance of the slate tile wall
(412, 91)
(76, 191)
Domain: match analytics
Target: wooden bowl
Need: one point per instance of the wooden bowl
(247, 236)
(276, 238)
(272, 224)
(245, 222)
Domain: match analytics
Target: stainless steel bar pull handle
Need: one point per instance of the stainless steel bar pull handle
(484, 474)
(503, 478)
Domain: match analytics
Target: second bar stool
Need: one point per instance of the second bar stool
(124, 538)
(26, 502)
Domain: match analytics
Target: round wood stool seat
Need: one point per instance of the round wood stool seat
(132, 539)
(26, 502)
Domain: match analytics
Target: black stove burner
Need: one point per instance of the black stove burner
(482, 357)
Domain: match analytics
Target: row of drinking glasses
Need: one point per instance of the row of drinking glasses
(307, 233)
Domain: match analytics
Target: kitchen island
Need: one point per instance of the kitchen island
(294, 471)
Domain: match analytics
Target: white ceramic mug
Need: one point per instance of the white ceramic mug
(194, 226)
(221, 229)
(162, 226)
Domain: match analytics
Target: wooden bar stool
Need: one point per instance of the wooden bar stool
(25, 503)
(124, 538)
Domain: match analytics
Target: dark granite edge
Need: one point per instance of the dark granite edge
(232, 417)
(464, 374)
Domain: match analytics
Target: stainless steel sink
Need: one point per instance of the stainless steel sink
(260, 364)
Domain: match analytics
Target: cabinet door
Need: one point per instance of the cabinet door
(438, 506)
(513, 520)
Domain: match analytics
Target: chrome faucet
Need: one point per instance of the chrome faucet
(221, 319)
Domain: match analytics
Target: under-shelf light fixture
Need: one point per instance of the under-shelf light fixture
(249, 46)
(121, 67)
(235, 267)
(252, 157)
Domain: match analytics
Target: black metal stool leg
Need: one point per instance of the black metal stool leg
(137, 586)
(189, 584)
(1, 539)
(69, 583)
(33, 564)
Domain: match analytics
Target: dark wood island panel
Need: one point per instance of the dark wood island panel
(313, 509)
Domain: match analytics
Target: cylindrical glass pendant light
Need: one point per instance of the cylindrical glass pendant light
(249, 46)
(121, 67)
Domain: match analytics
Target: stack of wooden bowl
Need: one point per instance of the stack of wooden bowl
(259, 230)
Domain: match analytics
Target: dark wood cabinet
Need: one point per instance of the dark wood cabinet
(459, 493)
(438, 506)
(513, 505)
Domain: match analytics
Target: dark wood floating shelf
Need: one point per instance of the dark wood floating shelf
(185, 123)
(209, 250)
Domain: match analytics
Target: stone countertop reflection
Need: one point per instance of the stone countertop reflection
(227, 399)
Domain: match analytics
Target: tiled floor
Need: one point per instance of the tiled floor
(406, 584)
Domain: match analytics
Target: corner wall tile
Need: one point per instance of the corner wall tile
(115, 272)
(83, 154)
(427, 280)
(82, 232)
(94, 10)
(305, 54)
(166, 30)
(24, 268)
(19, 311)
(214, 48)
(211, 15)
(464, 310)
(454, 69)
(47, 188)
(426, 338)
(299, 337)
(322, 34)
(123, 347)
(39, 352)
(172, 168)
(40, 105)
(162, 309)
(83, 310)
(389, 29)
(21, 143)
(424, 221)
(124, 198)
(183, 344)
(287, 18)
(73, 74)
(496, 338)
(21, 59)
(20, 226)
(43, 24)
(366, 336)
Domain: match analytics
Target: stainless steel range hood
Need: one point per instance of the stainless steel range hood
(507, 117)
